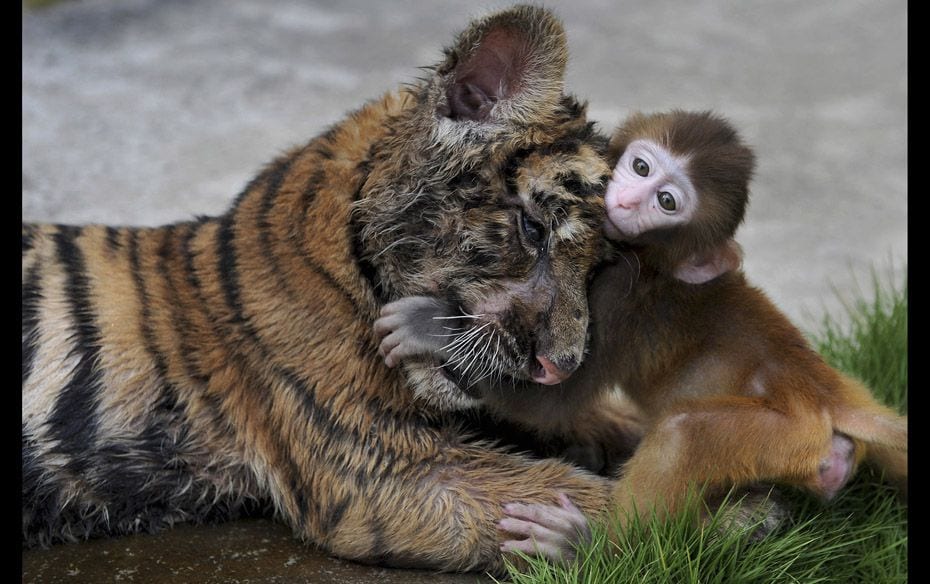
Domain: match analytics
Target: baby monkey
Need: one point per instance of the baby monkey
(731, 392)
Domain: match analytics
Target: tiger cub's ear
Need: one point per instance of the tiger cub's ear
(509, 66)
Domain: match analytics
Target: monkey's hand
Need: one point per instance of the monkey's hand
(549, 531)
(415, 325)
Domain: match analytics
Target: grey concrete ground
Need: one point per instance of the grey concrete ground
(150, 111)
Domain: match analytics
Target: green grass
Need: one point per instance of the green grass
(860, 537)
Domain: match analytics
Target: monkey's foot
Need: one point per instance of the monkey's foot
(836, 469)
(759, 508)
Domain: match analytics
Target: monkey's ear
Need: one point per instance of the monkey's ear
(514, 60)
(704, 267)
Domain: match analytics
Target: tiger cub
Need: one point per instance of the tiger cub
(193, 371)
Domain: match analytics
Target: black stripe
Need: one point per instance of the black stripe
(31, 295)
(330, 279)
(547, 199)
(29, 232)
(571, 142)
(513, 164)
(269, 197)
(572, 108)
(330, 521)
(567, 145)
(273, 174)
(145, 312)
(298, 482)
(310, 191)
(265, 232)
(324, 150)
(166, 406)
(181, 323)
(298, 490)
(190, 270)
(214, 403)
(367, 270)
(73, 421)
(380, 548)
(268, 172)
(326, 138)
(299, 245)
(190, 273)
(363, 169)
(112, 239)
(575, 185)
(226, 267)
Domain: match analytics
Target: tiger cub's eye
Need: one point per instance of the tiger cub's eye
(533, 230)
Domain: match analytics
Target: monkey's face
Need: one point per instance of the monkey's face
(680, 185)
(649, 189)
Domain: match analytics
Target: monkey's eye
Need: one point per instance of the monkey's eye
(640, 167)
(667, 201)
(533, 230)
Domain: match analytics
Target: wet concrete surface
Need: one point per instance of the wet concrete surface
(248, 551)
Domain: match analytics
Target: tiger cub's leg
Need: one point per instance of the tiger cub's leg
(453, 519)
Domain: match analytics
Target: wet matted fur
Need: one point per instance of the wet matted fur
(191, 371)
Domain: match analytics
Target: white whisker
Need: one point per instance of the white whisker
(459, 316)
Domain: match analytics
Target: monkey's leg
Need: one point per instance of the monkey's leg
(883, 431)
(724, 442)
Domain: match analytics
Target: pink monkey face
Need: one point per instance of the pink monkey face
(649, 189)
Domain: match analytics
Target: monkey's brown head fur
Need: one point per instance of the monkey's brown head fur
(487, 190)
(719, 165)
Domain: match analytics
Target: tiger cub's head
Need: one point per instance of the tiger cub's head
(488, 192)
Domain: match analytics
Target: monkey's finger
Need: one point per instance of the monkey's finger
(554, 518)
(575, 516)
(529, 529)
(551, 551)
(387, 324)
(398, 345)
(388, 348)
(406, 304)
